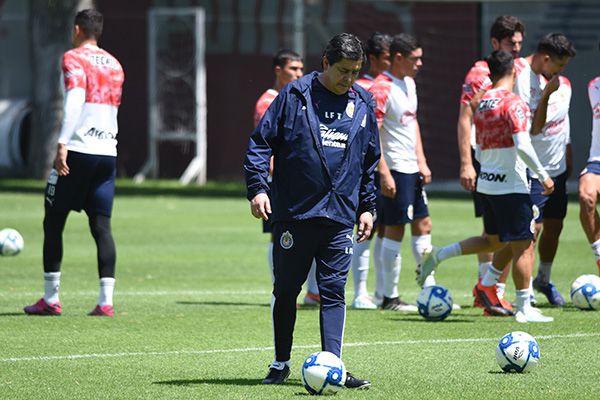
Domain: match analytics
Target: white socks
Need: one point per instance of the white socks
(491, 277)
(483, 267)
(446, 252)
(392, 264)
(311, 280)
(360, 267)
(523, 302)
(107, 286)
(418, 244)
(51, 286)
(596, 248)
(379, 277)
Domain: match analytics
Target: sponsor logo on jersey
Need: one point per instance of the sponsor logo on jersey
(467, 88)
(520, 114)
(330, 137)
(98, 134)
(488, 104)
(492, 177)
(287, 240)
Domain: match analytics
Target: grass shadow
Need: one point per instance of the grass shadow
(221, 303)
(13, 314)
(236, 382)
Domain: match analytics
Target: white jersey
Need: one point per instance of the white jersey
(396, 111)
(551, 143)
(594, 94)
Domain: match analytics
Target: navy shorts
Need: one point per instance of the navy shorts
(410, 202)
(510, 216)
(553, 206)
(591, 168)
(477, 202)
(90, 185)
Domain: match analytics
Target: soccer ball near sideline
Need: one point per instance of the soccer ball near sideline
(517, 352)
(435, 303)
(585, 292)
(323, 373)
(11, 242)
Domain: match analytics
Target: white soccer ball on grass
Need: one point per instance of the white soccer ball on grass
(11, 242)
(323, 373)
(517, 352)
(435, 303)
(585, 292)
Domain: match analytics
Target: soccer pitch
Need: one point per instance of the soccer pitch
(192, 302)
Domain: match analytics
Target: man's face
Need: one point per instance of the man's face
(552, 66)
(340, 76)
(290, 72)
(380, 63)
(410, 64)
(510, 44)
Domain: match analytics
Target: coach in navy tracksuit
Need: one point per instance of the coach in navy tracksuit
(322, 132)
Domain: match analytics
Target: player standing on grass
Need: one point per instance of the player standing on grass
(322, 132)
(548, 96)
(403, 168)
(85, 165)
(506, 34)
(505, 152)
(377, 50)
(287, 67)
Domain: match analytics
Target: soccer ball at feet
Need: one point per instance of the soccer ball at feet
(323, 373)
(11, 242)
(585, 292)
(435, 303)
(517, 352)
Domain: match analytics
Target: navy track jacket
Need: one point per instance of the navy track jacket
(303, 187)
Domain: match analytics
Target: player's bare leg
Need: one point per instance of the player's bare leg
(588, 215)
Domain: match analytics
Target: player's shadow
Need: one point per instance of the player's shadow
(13, 314)
(236, 382)
(221, 303)
(423, 320)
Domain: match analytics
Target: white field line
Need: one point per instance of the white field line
(258, 349)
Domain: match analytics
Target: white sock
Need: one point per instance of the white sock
(491, 276)
(279, 364)
(270, 261)
(531, 288)
(379, 278)
(500, 289)
(392, 264)
(107, 286)
(446, 252)
(430, 280)
(523, 303)
(360, 267)
(311, 280)
(51, 286)
(418, 244)
(483, 267)
(596, 249)
(544, 270)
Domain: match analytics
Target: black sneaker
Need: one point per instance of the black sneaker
(395, 304)
(277, 376)
(354, 383)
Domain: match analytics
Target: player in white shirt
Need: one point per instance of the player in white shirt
(589, 180)
(85, 165)
(548, 96)
(403, 168)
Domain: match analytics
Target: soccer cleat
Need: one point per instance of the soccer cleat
(276, 376)
(103, 311)
(363, 303)
(476, 302)
(531, 315)
(549, 290)
(456, 307)
(312, 299)
(395, 304)
(43, 308)
(378, 299)
(355, 383)
(428, 264)
(488, 296)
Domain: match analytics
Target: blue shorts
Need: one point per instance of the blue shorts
(477, 202)
(410, 202)
(591, 168)
(553, 206)
(90, 185)
(510, 216)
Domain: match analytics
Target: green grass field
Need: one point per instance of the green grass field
(193, 321)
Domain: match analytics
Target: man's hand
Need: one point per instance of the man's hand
(548, 186)
(551, 86)
(260, 206)
(468, 177)
(60, 161)
(365, 226)
(425, 173)
(388, 185)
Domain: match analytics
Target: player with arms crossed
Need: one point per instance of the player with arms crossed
(505, 152)
(322, 132)
(85, 165)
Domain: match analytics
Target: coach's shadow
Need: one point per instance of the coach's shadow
(237, 382)
(221, 303)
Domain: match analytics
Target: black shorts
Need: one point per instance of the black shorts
(90, 185)
(553, 206)
(410, 202)
(510, 216)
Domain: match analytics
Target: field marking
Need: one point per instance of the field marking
(270, 348)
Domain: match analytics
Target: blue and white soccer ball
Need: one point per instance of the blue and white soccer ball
(435, 303)
(323, 373)
(517, 352)
(585, 292)
(11, 242)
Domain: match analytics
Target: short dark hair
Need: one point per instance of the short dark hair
(284, 56)
(404, 44)
(506, 26)
(377, 44)
(500, 64)
(90, 21)
(556, 45)
(344, 46)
